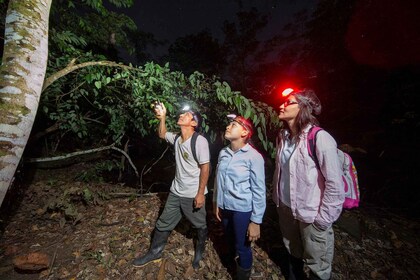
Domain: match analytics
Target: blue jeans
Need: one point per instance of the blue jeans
(235, 225)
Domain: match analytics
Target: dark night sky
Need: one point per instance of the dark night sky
(168, 20)
(379, 28)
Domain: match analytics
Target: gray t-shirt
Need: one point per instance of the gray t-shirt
(187, 174)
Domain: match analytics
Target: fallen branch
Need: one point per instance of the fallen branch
(80, 153)
(70, 155)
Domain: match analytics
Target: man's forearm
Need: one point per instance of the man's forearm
(204, 177)
(162, 128)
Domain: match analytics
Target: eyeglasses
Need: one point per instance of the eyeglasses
(289, 102)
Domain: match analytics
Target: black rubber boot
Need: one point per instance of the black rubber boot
(199, 247)
(295, 269)
(156, 248)
(241, 273)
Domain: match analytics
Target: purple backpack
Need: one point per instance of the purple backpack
(351, 183)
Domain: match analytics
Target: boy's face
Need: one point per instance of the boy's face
(235, 131)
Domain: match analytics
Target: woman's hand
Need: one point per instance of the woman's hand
(253, 231)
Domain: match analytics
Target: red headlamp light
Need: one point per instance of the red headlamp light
(286, 92)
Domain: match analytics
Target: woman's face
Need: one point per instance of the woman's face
(289, 109)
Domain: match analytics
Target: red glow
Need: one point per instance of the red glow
(397, 43)
(286, 92)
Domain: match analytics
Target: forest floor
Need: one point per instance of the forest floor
(102, 238)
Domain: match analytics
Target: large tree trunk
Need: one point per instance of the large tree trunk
(21, 78)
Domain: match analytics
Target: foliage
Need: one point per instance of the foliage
(109, 103)
(80, 26)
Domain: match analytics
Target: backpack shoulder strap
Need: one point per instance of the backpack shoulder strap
(312, 144)
(193, 145)
(176, 137)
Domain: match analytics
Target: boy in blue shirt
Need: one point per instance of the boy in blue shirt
(239, 195)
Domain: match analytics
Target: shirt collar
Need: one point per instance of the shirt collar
(243, 149)
(307, 128)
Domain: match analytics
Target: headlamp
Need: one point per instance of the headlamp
(231, 117)
(286, 92)
(187, 108)
(234, 118)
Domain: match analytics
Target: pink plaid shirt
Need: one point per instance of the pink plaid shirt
(315, 197)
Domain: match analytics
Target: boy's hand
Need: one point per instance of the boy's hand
(253, 232)
(216, 212)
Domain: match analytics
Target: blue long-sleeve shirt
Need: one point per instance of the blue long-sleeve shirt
(240, 182)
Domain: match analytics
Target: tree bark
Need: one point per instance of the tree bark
(22, 75)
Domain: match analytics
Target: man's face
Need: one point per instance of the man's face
(186, 119)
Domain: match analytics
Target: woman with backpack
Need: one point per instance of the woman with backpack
(309, 199)
(239, 195)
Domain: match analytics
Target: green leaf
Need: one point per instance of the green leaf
(255, 120)
(260, 134)
(247, 113)
(98, 84)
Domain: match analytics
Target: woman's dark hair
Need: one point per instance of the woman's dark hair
(309, 106)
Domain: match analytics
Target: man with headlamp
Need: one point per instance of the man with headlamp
(188, 189)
